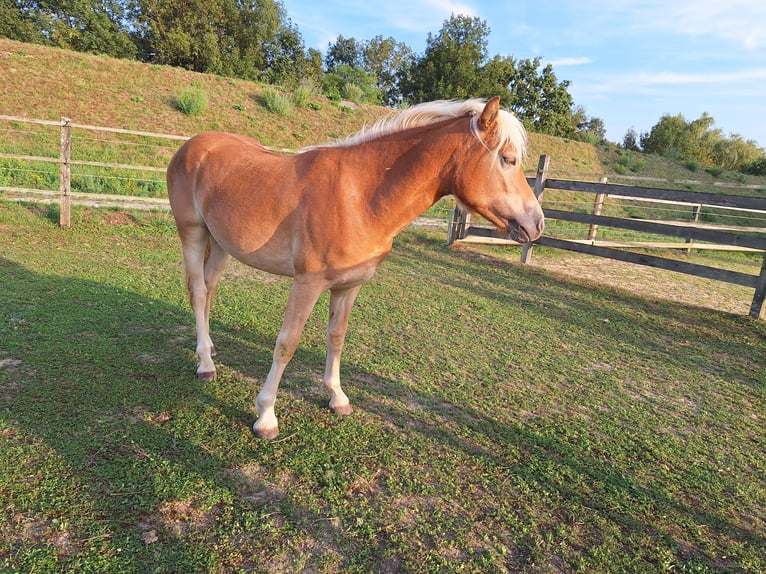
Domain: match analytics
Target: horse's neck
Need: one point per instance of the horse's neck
(406, 182)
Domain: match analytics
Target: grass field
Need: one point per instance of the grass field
(507, 419)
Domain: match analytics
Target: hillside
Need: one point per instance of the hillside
(48, 83)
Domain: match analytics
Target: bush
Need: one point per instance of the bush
(275, 102)
(305, 92)
(192, 102)
(715, 171)
(757, 167)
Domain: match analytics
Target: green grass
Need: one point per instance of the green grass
(506, 419)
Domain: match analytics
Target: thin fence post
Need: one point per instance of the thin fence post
(597, 205)
(758, 307)
(458, 225)
(542, 175)
(65, 183)
(695, 218)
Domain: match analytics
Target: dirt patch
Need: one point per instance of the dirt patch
(651, 282)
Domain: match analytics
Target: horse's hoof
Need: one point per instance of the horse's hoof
(266, 434)
(206, 377)
(342, 410)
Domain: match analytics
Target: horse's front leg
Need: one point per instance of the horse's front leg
(303, 297)
(341, 301)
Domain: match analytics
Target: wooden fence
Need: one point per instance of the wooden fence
(460, 228)
(726, 237)
(65, 161)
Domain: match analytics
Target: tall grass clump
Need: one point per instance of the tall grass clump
(276, 102)
(192, 102)
(306, 91)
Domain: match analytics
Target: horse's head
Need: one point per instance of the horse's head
(491, 181)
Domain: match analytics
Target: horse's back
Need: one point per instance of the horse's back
(207, 153)
(233, 188)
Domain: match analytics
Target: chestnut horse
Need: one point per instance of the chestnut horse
(327, 217)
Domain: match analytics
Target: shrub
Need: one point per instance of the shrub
(305, 92)
(275, 102)
(692, 165)
(715, 171)
(192, 102)
(353, 93)
(757, 167)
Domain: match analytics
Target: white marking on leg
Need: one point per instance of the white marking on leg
(341, 302)
(303, 296)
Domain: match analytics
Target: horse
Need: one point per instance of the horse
(327, 216)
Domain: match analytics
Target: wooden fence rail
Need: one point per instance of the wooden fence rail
(750, 238)
(66, 162)
(460, 228)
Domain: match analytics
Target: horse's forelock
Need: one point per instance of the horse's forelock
(509, 128)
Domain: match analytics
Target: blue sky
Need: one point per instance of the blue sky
(628, 62)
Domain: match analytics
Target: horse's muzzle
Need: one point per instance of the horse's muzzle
(526, 231)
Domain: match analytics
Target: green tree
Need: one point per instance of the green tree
(667, 137)
(227, 37)
(540, 101)
(344, 51)
(630, 140)
(455, 65)
(351, 83)
(736, 154)
(95, 26)
(18, 22)
(383, 57)
(450, 66)
(287, 62)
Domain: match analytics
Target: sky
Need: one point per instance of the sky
(628, 62)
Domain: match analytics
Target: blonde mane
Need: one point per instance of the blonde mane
(510, 129)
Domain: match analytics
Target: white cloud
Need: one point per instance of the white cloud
(742, 22)
(750, 82)
(569, 61)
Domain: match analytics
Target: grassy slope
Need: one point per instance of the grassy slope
(45, 83)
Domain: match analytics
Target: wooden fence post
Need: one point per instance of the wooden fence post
(758, 307)
(458, 225)
(695, 218)
(65, 173)
(597, 205)
(542, 175)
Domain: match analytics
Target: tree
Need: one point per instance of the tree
(589, 129)
(351, 83)
(736, 154)
(286, 60)
(455, 65)
(449, 68)
(94, 26)
(630, 140)
(227, 37)
(698, 141)
(383, 57)
(666, 137)
(540, 101)
(346, 51)
(18, 22)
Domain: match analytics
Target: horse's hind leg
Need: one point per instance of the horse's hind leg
(204, 260)
(341, 302)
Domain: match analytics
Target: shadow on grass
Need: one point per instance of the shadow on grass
(156, 470)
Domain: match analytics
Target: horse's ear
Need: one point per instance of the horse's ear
(489, 114)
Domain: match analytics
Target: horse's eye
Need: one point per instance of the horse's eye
(509, 160)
